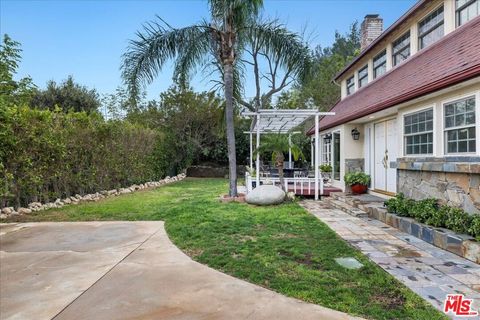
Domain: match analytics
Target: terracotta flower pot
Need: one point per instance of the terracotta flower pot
(359, 188)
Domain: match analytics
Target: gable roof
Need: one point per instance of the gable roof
(418, 6)
(453, 59)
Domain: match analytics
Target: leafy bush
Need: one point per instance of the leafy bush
(423, 209)
(50, 154)
(438, 218)
(427, 211)
(474, 229)
(357, 178)
(400, 205)
(326, 168)
(458, 220)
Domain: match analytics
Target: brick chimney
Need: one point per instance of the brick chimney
(372, 27)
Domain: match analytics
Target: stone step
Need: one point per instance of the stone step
(338, 204)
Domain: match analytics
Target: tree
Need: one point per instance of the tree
(219, 43)
(278, 144)
(12, 91)
(68, 95)
(279, 73)
(327, 62)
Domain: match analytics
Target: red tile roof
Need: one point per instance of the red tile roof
(451, 60)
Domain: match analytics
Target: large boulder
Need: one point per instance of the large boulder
(265, 195)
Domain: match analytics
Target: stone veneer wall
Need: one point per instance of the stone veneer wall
(454, 181)
(354, 165)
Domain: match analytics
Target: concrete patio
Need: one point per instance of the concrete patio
(124, 270)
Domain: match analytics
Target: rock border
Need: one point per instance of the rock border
(92, 197)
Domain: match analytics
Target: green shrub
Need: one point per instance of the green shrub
(352, 178)
(458, 220)
(50, 154)
(326, 168)
(400, 205)
(474, 229)
(424, 209)
(427, 211)
(438, 218)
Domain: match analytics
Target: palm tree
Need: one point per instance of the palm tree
(217, 43)
(278, 144)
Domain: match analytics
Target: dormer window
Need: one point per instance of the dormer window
(466, 10)
(430, 29)
(350, 85)
(363, 76)
(401, 49)
(380, 64)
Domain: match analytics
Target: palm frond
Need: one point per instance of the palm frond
(237, 13)
(283, 46)
(157, 43)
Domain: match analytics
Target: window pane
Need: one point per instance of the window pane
(452, 135)
(467, 10)
(471, 133)
(459, 120)
(451, 147)
(449, 110)
(463, 134)
(471, 146)
(462, 146)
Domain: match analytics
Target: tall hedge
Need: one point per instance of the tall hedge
(50, 154)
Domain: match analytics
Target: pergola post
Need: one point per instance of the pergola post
(258, 154)
(289, 151)
(251, 150)
(312, 157)
(317, 173)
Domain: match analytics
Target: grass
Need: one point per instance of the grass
(282, 248)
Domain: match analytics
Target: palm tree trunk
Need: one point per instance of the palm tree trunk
(279, 162)
(232, 156)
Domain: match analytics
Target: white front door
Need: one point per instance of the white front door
(385, 152)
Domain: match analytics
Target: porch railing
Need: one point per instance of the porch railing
(298, 185)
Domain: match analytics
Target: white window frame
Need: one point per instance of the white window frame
(365, 67)
(433, 131)
(326, 151)
(409, 48)
(351, 88)
(457, 13)
(475, 94)
(381, 52)
(340, 178)
(421, 20)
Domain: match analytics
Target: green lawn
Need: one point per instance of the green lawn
(283, 248)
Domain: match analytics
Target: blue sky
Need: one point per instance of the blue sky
(86, 38)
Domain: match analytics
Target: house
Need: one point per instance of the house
(412, 99)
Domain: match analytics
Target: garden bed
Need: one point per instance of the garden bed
(460, 244)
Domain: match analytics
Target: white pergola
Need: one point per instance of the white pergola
(284, 121)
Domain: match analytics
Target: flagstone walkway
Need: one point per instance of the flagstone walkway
(429, 271)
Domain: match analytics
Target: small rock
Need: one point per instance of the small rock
(290, 196)
(24, 211)
(3, 216)
(7, 211)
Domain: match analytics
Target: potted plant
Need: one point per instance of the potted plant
(326, 170)
(358, 181)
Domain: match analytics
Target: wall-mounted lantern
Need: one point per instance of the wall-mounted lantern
(355, 134)
(328, 138)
